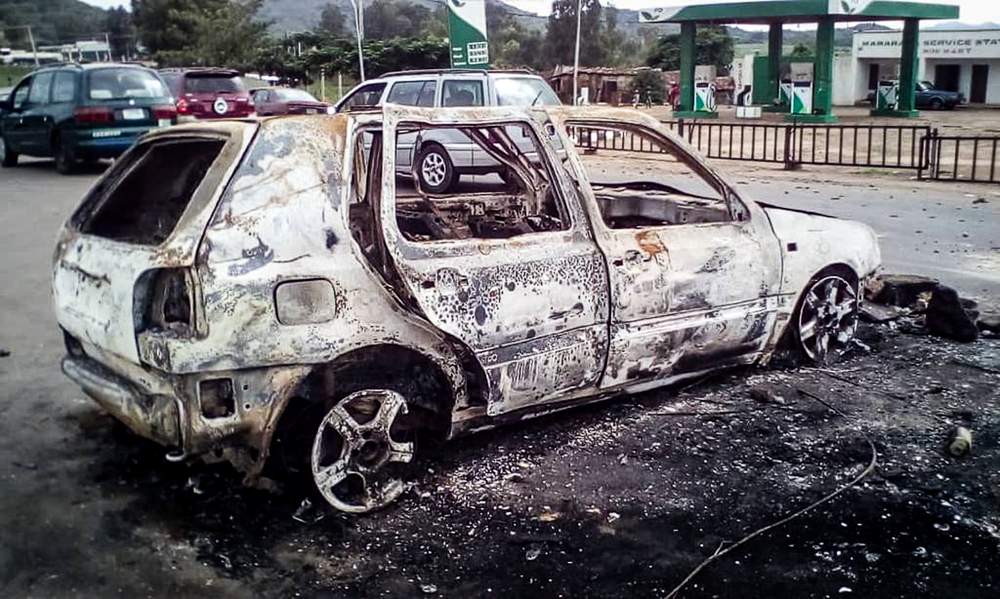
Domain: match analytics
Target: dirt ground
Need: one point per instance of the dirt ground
(622, 498)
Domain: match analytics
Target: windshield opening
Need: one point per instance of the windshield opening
(214, 84)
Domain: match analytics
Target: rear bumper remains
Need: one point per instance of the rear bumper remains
(153, 416)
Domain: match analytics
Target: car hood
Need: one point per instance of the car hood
(811, 241)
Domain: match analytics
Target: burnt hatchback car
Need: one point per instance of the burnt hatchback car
(263, 292)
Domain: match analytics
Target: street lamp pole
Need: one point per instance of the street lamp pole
(359, 27)
(576, 53)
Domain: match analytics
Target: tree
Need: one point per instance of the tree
(801, 51)
(386, 19)
(121, 33)
(649, 83)
(199, 32)
(332, 21)
(713, 43)
(511, 45)
(560, 37)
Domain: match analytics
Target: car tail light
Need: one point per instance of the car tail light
(93, 115)
(164, 301)
(165, 112)
(182, 107)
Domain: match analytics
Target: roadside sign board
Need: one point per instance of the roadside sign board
(467, 34)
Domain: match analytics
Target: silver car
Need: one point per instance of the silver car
(443, 156)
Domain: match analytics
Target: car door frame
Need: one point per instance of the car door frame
(13, 120)
(532, 309)
(666, 336)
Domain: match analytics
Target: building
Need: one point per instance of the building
(961, 60)
(85, 51)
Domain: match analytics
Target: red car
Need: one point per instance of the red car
(207, 93)
(283, 100)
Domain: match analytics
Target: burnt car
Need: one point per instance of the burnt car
(269, 293)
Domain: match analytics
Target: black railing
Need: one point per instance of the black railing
(876, 146)
(960, 158)
(917, 147)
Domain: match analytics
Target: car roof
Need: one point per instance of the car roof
(484, 72)
(88, 66)
(205, 71)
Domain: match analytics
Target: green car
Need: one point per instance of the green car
(77, 113)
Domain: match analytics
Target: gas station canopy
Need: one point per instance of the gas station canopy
(798, 11)
(825, 13)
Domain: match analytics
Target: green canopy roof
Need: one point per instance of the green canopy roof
(798, 11)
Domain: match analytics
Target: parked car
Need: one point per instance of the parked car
(270, 101)
(937, 99)
(443, 162)
(260, 291)
(82, 112)
(208, 93)
(928, 96)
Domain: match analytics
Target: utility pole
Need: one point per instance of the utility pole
(107, 43)
(322, 83)
(31, 39)
(359, 27)
(576, 52)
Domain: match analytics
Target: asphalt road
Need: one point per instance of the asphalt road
(609, 501)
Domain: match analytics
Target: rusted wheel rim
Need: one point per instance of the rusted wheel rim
(828, 319)
(433, 169)
(356, 463)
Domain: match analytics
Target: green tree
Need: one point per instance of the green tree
(511, 44)
(386, 19)
(121, 33)
(332, 21)
(560, 37)
(801, 51)
(714, 47)
(649, 83)
(199, 32)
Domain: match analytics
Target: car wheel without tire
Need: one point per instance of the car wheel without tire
(65, 159)
(362, 451)
(435, 169)
(826, 319)
(8, 157)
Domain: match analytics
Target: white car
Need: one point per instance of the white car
(442, 157)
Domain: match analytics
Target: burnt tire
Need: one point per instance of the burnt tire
(8, 157)
(825, 320)
(434, 169)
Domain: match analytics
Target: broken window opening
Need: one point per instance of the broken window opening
(149, 192)
(641, 179)
(483, 182)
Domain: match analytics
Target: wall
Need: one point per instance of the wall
(965, 76)
(844, 71)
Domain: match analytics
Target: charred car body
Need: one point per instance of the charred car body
(260, 292)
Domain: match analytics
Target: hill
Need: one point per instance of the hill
(51, 21)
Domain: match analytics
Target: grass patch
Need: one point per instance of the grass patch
(10, 74)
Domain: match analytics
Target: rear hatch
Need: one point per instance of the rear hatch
(124, 97)
(215, 95)
(137, 231)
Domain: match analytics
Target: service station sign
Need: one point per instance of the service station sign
(933, 44)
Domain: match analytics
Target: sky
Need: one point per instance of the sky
(973, 11)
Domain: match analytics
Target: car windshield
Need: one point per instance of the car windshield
(524, 91)
(214, 84)
(117, 84)
(295, 95)
(925, 86)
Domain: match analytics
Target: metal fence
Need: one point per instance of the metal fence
(961, 158)
(916, 147)
(875, 146)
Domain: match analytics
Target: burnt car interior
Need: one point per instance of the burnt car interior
(484, 206)
(143, 198)
(641, 179)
